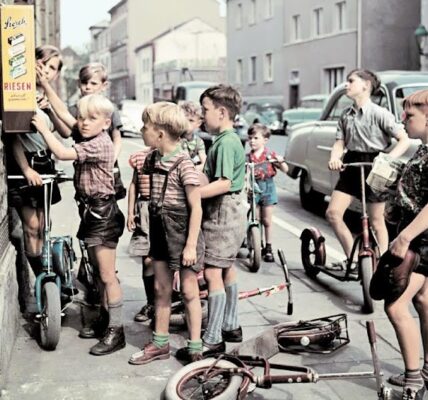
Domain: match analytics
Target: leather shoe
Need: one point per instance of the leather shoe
(95, 328)
(213, 349)
(150, 353)
(233, 336)
(114, 340)
(183, 354)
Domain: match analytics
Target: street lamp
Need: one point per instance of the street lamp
(421, 35)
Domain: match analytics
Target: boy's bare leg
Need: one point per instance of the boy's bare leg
(421, 304)
(339, 203)
(163, 292)
(32, 225)
(405, 325)
(267, 212)
(376, 213)
(190, 292)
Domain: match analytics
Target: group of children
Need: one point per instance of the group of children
(187, 209)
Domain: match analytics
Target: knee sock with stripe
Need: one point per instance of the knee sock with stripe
(413, 379)
(216, 308)
(160, 340)
(231, 311)
(424, 373)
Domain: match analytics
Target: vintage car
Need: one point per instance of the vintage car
(310, 143)
(267, 113)
(310, 109)
(130, 112)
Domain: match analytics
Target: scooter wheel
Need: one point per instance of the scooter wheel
(255, 247)
(312, 251)
(50, 323)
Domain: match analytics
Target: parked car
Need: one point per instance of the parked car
(190, 90)
(310, 143)
(131, 112)
(310, 109)
(267, 113)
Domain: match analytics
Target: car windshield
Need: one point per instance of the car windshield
(193, 93)
(401, 93)
(312, 103)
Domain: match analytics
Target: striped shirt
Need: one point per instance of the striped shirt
(93, 167)
(184, 174)
(136, 161)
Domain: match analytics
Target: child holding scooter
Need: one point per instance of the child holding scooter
(264, 172)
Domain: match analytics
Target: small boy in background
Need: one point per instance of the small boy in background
(264, 171)
(190, 140)
(138, 223)
(102, 222)
(175, 215)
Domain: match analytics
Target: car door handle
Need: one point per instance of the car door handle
(324, 148)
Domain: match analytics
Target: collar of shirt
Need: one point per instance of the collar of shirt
(173, 153)
(224, 133)
(263, 155)
(363, 110)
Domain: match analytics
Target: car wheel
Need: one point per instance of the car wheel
(310, 199)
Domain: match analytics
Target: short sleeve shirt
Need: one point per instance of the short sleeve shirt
(226, 159)
(368, 129)
(263, 171)
(93, 175)
(136, 161)
(183, 175)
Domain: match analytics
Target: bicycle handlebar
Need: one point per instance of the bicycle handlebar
(358, 164)
(271, 161)
(46, 178)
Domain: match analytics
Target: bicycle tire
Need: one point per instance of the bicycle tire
(312, 252)
(224, 387)
(50, 324)
(255, 248)
(178, 314)
(366, 272)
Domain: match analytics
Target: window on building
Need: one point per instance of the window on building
(252, 13)
(268, 9)
(239, 71)
(253, 69)
(296, 33)
(341, 16)
(317, 22)
(239, 16)
(333, 77)
(268, 67)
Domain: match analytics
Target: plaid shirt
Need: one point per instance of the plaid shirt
(266, 170)
(93, 175)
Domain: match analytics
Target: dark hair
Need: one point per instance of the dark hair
(367, 75)
(224, 96)
(259, 128)
(45, 52)
(89, 70)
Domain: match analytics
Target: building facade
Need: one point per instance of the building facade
(135, 22)
(193, 50)
(320, 43)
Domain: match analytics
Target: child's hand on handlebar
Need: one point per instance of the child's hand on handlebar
(33, 178)
(335, 164)
(189, 256)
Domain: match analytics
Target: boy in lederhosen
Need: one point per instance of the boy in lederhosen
(102, 222)
(175, 215)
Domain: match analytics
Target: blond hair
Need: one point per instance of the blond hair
(168, 117)
(191, 108)
(95, 104)
(418, 99)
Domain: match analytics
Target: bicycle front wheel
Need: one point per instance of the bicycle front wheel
(50, 323)
(366, 272)
(190, 382)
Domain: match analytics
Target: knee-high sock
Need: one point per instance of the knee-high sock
(230, 321)
(216, 307)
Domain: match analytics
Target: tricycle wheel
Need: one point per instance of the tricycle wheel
(50, 323)
(190, 382)
(254, 243)
(366, 271)
(312, 251)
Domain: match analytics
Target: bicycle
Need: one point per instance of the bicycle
(57, 276)
(229, 376)
(313, 250)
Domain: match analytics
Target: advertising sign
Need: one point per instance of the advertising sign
(18, 77)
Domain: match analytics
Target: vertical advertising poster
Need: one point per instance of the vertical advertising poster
(18, 67)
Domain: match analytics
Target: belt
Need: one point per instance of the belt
(230, 193)
(39, 153)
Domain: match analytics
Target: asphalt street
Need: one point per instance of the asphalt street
(70, 373)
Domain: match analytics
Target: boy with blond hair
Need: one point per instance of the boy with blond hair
(190, 140)
(175, 215)
(224, 221)
(102, 222)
